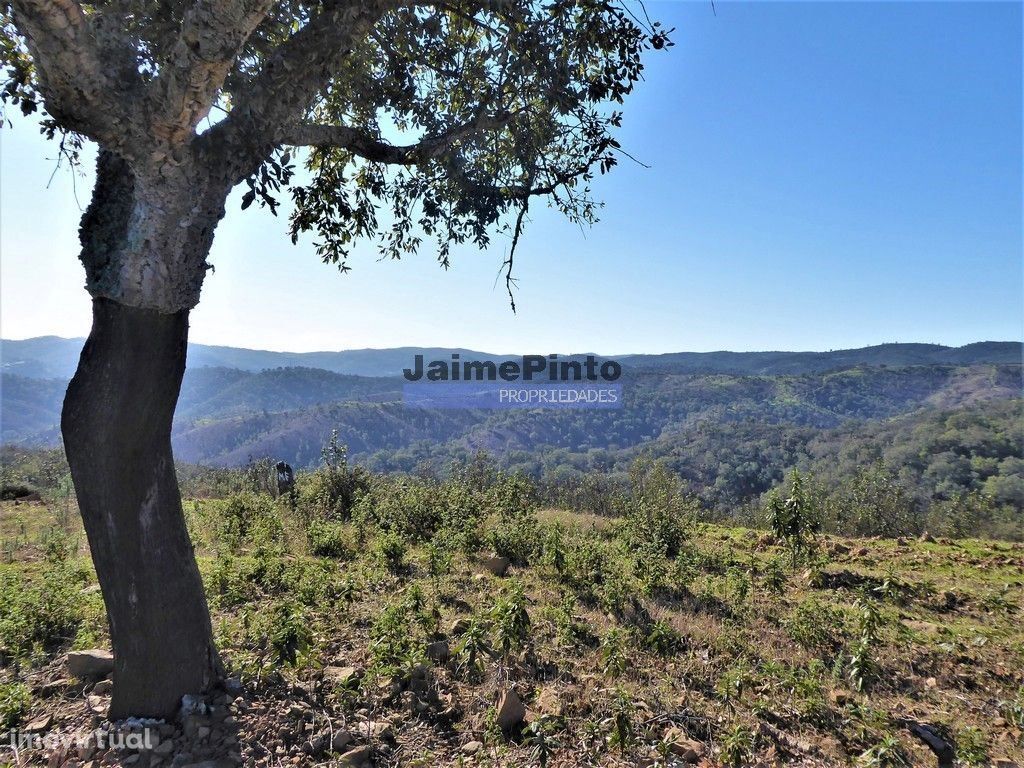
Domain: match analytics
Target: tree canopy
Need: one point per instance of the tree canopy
(437, 119)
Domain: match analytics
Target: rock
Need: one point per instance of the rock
(438, 651)
(510, 711)
(927, 537)
(103, 688)
(924, 627)
(901, 542)
(355, 757)
(97, 704)
(92, 589)
(862, 552)
(950, 599)
(164, 748)
(550, 703)
(93, 664)
(472, 747)
(54, 687)
(377, 731)
(315, 745)
(931, 682)
(340, 740)
(1004, 762)
(688, 750)
(840, 549)
(458, 627)
(840, 698)
(497, 564)
(40, 725)
(342, 675)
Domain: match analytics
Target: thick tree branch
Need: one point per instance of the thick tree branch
(212, 34)
(74, 82)
(369, 148)
(292, 78)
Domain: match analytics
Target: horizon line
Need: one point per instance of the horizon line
(570, 354)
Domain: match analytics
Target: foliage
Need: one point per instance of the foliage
(657, 516)
(332, 491)
(328, 540)
(41, 614)
(248, 520)
(793, 519)
(887, 753)
(14, 703)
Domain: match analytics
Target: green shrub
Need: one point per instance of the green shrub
(510, 619)
(326, 539)
(248, 520)
(14, 703)
(876, 503)
(391, 549)
(657, 515)
(795, 518)
(41, 615)
(331, 492)
(814, 625)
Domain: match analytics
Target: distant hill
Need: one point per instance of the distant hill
(50, 357)
(226, 415)
(771, 363)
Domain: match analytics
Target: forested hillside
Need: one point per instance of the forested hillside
(939, 431)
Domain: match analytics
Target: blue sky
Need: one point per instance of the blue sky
(824, 175)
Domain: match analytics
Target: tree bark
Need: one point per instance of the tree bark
(116, 425)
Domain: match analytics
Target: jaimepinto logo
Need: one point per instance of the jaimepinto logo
(530, 381)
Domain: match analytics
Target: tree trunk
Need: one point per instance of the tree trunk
(116, 424)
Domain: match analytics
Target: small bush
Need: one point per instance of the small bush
(14, 702)
(248, 519)
(41, 615)
(391, 549)
(331, 492)
(328, 540)
(657, 515)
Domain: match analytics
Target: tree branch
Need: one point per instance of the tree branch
(212, 34)
(74, 82)
(369, 148)
(291, 79)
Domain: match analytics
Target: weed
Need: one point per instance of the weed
(472, 646)
(887, 753)
(737, 745)
(621, 721)
(540, 739)
(663, 639)
(510, 620)
(613, 652)
(774, 577)
(390, 549)
(289, 633)
(972, 747)
(327, 539)
(813, 625)
(14, 702)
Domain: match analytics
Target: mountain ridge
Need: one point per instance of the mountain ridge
(54, 357)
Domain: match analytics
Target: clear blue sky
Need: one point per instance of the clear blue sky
(824, 175)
